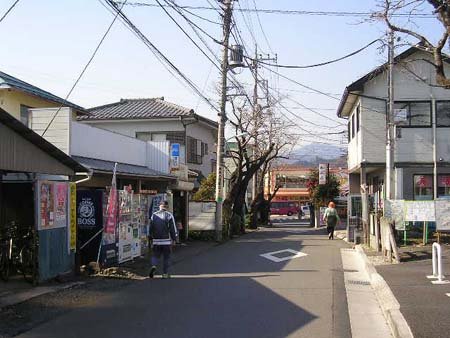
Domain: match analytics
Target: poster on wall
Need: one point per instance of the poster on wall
(397, 210)
(442, 215)
(420, 211)
(61, 195)
(46, 205)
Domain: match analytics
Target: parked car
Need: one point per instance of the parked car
(305, 212)
(284, 208)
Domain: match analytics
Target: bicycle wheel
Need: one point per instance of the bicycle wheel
(4, 267)
(26, 262)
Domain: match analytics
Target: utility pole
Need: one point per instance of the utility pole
(257, 109)
(389, 122)
(228, 9)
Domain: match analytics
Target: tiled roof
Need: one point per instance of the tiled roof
(10, 81)
(127, 109)
(122, 168)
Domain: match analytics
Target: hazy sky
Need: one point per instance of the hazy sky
(47, 43)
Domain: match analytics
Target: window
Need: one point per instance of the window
(443, 113)
(358, 117)
(24, 114)
(353, 125)
(349, 135)
(144, 135)
(423, 187)
(417, 114)
(443, 185)
(194, 151)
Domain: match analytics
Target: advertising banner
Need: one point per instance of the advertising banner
(73, 217)
(89, 222)
(61, 196)
(53, 205)
(46, 205)
(323, 173)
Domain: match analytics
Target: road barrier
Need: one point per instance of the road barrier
(437, 265)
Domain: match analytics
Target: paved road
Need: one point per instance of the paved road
(228, 291)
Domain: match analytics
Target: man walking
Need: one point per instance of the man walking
(163, 234)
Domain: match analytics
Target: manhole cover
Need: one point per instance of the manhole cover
(358, 282)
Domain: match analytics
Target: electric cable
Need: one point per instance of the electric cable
(9, 10)
(158, 53)
(81, 74)
(321, 63)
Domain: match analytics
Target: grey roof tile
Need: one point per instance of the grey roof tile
(122, 168)
(138, 109)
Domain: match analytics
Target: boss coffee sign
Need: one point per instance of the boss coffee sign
(89, 209)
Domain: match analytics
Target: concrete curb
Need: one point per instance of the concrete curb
(388, 303)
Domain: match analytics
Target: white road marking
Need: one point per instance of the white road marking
(295, 254)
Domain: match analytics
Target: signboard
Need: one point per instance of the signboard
(61, 203)
(442, 215)
(420, 211)
(323, 173)
(175, 155)
(73, 217)
(46, 205)
(53, 205)
(89, 222)
(395, 210)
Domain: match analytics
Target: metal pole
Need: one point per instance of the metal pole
(222, 119)
(389, 124)
(435, 171)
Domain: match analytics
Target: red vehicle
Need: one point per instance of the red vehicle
(284, 208)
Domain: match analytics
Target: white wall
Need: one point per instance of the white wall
(58, 132)
(415, 144)
(198, 130)
(207, 135)
(355, 145)
(91, 142)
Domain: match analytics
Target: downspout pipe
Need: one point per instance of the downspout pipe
(87, 178)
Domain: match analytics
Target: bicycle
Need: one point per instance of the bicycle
(5, 258)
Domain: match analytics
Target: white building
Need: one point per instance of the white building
(155, 119)
(422, 126)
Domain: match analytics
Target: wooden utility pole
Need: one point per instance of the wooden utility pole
(227, 9)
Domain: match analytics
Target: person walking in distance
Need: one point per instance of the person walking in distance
(163, 234)
(331, 218)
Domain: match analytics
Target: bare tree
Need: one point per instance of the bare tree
(248, 158)
(392, 9)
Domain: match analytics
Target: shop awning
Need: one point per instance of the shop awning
(102, 166)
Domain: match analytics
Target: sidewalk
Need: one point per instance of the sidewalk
(424, 305)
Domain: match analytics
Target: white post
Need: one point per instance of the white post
(437, 265)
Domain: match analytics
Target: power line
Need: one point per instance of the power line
(9, 10)
(262, 29)
(194, 27)
(294, 12)
(322, 63)
(161, 57)
(81, 74)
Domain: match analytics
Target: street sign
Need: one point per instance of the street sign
(323, 173)
(175, 155)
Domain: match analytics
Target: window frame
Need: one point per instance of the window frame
(409, 125)
(436, 107)
(414, 187)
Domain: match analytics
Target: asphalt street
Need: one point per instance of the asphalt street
(228, 291)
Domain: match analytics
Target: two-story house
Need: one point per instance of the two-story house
(155, 119)
(421, 136)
